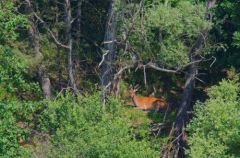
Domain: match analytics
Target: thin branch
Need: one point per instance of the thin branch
(133, 20)
(73, 20)
(108, 42)
(103, 58)
(215, 59)
(119, 73)
(45, 25)
(197, 61)
(154, 66)
(178, 70)
(123, 69)
(127, 47)
(56, 40)
(177, 138)
(200, 80)
(164, 120)
(145, 77)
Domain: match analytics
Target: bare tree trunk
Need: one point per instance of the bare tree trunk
(58, 57)
(178, 144)
(59, 69)
(68, 21)
(109, 40)
(79, 16)
(42, 72)
(116, 84)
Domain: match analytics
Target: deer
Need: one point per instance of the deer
(147, 103)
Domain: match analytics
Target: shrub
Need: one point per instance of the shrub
(83, 128)
(214, 132)
(11, 113)
(14, 79)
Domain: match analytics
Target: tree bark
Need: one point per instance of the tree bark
(116, 84)
(58, 68)
(68, 22)
(79, 17)
(109, 41)
(178, 144)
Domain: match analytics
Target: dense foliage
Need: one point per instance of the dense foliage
(14, 116)
(13, 71)
(9, 22)
(214, 131)
(47, 45)
(170, 32)
(14, 78)
(83, 128)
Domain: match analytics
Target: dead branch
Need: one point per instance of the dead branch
(103, 58)
(145, 77)
(46, 27)
(123, 69)
(156, 67)
(164, 120)
(214, 60)
(198, 61)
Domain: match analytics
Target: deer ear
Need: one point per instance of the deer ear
(136, 88)
(130, 86)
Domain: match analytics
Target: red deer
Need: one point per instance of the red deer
(147, 103)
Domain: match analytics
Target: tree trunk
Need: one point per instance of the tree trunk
(79, 17)
(45, 82)
(116, 84)
(59, 69)
(42, 72)
(178, 143)
(68, 22)
(109, 41)
(176, 147)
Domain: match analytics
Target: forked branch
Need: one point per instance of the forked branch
(46, 27)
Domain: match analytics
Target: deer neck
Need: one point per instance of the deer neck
(134, 100)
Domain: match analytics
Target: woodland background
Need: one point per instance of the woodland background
(66, 67)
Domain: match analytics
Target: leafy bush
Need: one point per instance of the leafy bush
(10, 20)
(13, 70)
(214, 132)
(173, 23)
(166, 31)
(83, 128)
(14, 76)
(11, 114)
